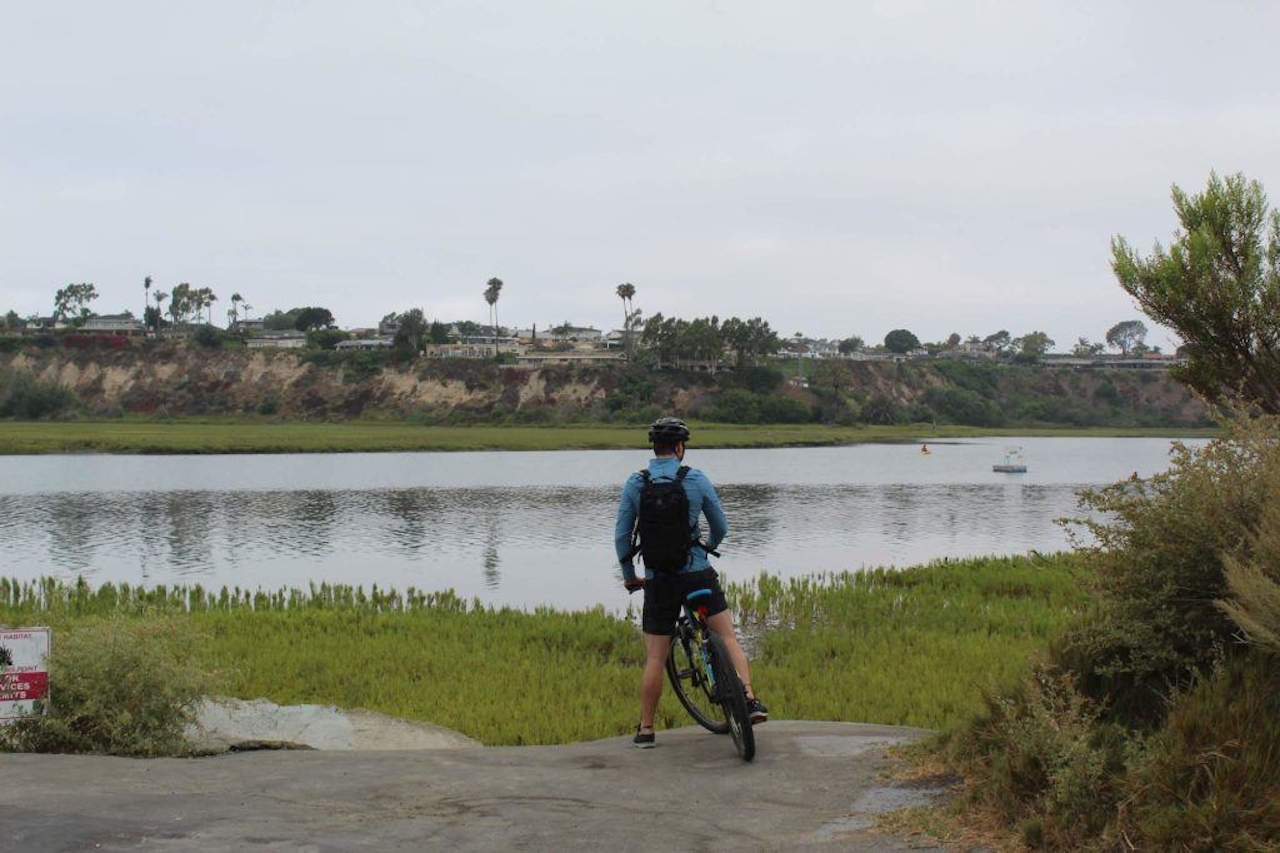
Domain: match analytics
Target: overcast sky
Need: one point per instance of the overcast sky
(837, 168)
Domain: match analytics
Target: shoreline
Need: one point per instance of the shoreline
(214, 436)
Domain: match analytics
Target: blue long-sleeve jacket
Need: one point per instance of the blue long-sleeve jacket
(703, 500)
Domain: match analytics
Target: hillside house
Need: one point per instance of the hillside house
(113, 324)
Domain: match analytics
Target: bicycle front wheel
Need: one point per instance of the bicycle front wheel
(733, 698)
(692, 683)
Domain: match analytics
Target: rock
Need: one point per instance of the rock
(224, 724)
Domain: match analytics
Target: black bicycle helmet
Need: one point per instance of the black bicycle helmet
(668, 431)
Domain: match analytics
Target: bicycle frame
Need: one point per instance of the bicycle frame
(726, 688)
(697, 616)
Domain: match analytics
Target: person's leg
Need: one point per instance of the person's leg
(656, 647)
(722, 624)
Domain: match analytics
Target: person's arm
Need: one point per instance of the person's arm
(717, 524)
(628, 507)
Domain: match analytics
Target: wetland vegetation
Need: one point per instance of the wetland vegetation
(825, 648)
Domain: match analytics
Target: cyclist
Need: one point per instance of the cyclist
(664, 592)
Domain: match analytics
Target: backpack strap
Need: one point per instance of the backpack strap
(680, 475)
(635, 528)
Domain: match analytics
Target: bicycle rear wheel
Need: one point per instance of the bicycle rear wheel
(693, 687)
(733, 697)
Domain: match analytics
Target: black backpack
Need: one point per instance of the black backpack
(663, 523)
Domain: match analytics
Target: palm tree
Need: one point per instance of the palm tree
(625, 292)
(236, 299)
(491, 292)
(161, 296)
(146, 296)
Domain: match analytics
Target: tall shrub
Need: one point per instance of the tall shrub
(117, 686)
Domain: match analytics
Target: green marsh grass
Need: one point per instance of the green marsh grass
(255, 436)
(911, 647)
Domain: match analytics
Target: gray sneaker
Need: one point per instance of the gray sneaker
(643, 740)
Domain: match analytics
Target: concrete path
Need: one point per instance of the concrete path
(813, 786)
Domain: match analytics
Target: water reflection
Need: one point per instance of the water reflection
(517, 540)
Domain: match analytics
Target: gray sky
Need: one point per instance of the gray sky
(837, 168)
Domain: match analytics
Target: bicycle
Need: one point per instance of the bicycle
(704, 679)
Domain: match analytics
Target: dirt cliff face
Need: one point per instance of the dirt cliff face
(175, 379)
(182, 379)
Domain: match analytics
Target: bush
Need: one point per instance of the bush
(1254, 581)
(31, 399)
(208, 337)
(962, 406)
(1159, 726)
(119, 687)
(1049, 766)
(1210, 779)
(1160, 551)
(736, 406)
(760, 380)
(777, 409)
(326, 339)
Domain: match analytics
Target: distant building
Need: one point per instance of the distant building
(365, 343)
(471, 349)
(113, 324)
(533, 359)
(44, 325)
(287, 339)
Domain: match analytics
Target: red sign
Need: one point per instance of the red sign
(17, 686)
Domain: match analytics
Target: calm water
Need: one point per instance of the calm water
(529, 528)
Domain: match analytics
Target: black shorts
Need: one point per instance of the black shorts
(664, 596)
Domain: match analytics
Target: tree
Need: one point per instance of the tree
(326, 338)
(312, 317)
(1127, 335)
(999, 341)
(160, 296)
(183, 301)
(953, 340)
(1218, 286)
(72, 302)
(491, 293)
(851, 345)
(1085, 349)
(750, 339)
(410, 332)
(626, 292)
(832, 375)
(279, 321)
(146, 298)
(1032, 346)
(901, 341)
(234, 316)
(207, 298)
(12, 320)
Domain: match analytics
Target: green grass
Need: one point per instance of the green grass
(911, 647)
(252, 436)
(914, 647)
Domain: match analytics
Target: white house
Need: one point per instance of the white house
(112, 324)
(287, 339)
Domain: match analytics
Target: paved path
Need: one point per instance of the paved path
(813, 786)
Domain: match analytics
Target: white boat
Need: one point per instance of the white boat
(1012, 463)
